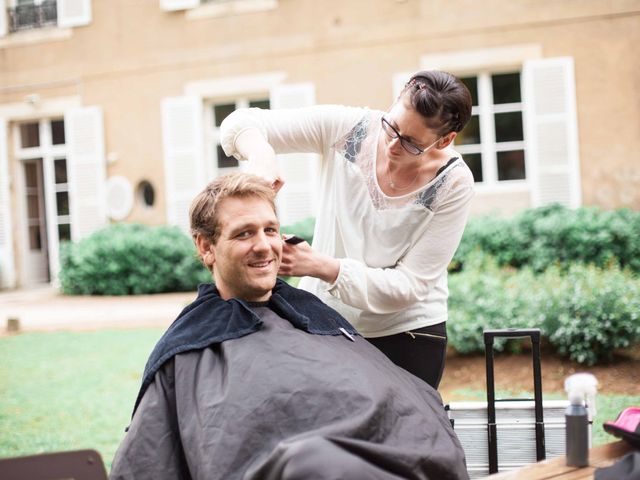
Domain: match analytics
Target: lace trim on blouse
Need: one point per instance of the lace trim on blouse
(359, 147)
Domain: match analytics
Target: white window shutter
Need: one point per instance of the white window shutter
(86, 169)
(183, 142)
(4, 27)
(172, 5)
(7, 267)
(551, 131)
(74, 13)
(297, 199)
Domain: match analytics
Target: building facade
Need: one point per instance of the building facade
(110, 109)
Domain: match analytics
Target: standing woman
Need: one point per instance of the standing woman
(394, 203)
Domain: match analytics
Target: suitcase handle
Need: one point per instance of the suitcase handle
(489, 336)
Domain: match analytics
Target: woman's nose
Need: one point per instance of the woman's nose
(395, 143)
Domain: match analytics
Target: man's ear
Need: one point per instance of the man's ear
(206, 249)
(446, 140)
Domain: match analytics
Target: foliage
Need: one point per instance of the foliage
(584, 311)
(126, 259)
(303, 228)
(546, 236)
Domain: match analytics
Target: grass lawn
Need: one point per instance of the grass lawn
(66, 391)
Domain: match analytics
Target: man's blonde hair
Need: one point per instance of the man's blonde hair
(203, 213)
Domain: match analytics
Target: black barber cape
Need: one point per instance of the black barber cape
(281, 390)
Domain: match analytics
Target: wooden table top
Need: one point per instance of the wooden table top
(600, 456)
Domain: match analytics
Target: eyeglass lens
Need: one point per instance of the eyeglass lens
(406, 144)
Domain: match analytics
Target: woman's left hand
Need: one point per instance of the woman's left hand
(301, 260)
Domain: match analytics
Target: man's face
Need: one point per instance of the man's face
(247, 254)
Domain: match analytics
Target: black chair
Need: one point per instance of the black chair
(76, 465)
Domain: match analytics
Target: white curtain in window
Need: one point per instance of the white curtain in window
(297, 199)
(86, 170)
(552, 131)
(7, 267)
(183, 139)
(74, 13)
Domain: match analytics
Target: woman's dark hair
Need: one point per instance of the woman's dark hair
(441, 98)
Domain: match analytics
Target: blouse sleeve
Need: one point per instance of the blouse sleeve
(301, 130)
(389, 290)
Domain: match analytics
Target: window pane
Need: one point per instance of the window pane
(57, 132)
(224, 161)
(508, 127)
(474, 160)
(472, 85)
(506, 88)
(60, 168)
(259, 104)
(35, 242)
(220, 112)
(62, 201)
(29, 135)
(511, 165)
(33, 206)
(31, 175)
(470, 134)
(64, 232)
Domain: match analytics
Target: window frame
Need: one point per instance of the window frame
(212, 132)
(488, 147)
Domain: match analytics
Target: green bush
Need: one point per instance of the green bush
(303, 228)
(546, 236)
(585, 312)
(126, 259)
(591, 311)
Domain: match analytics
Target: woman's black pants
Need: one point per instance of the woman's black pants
(421, 351)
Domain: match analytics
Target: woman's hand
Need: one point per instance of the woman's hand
(261, 157)
(301, 260)
(266, 166)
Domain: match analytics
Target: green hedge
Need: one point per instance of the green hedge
(585, 312)
(551, 235)
(303, 228)
(126, 259)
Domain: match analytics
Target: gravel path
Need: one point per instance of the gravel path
(43, 308)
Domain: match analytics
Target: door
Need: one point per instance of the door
(36, 261)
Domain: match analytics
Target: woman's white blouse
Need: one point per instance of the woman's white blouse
(393, 251)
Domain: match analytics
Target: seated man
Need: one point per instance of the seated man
(259, 380)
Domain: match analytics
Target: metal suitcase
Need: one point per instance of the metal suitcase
(505, 434)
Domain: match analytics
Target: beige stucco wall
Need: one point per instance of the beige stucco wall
(133, 55)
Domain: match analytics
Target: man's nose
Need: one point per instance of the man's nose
(261, 242)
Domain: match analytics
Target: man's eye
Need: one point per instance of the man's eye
(245, 234)
(271, 230)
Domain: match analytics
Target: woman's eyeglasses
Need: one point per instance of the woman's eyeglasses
(406, 144)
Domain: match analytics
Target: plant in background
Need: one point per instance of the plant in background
(591, 311)
(131, 259)
(303, 228)
(551, 235)
(585, 312)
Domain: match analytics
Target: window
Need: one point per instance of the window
(492, 143)
(29, 14)
(220, 163)
(41, 148)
